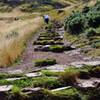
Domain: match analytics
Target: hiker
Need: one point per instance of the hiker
(46, 19)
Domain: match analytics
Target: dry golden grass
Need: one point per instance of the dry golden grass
(66, 2)
(11, 48)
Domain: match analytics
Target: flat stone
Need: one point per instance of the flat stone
(87, 58)
(36, 74)
(5, 88)
(78, 65)
(32, 89)
(47, 46)
(74, 47)
(61, 37)
(88, 83)
(18, 71)
(62, 88)
(72, 52)
(12, 79)
(81, 63)
(57, 68)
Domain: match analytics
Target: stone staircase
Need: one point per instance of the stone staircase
(51, 41)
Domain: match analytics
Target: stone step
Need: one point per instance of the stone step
(12, 79)
(17, 71)
(35, 74)
(90, 83)
(62, 88)
(57, 68)
(31, 89)
(6, 88)
(82, 63)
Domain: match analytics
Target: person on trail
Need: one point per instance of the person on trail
(46, 19)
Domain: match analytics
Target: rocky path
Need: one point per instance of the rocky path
(26, 64)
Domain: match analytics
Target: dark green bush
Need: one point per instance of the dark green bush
(90, 32)
(85, 9)
(45, 62)
(75, 23)
(79, 21)
(93, 18)
(95, 44)
(97, 6)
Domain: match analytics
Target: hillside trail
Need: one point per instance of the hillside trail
(26, 63)
(29, 55)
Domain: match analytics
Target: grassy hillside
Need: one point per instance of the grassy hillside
(14, 34)
(83, 28)
(17, 23)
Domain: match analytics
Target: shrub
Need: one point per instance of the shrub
(75, 23)
(96, 44)
(45, 62)
(69, 76)
(79, 21)
(97, 5)
(16, 94)
(85, 9)
(93, 18)
(90, 32)
(16, 90)
(93, 15)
